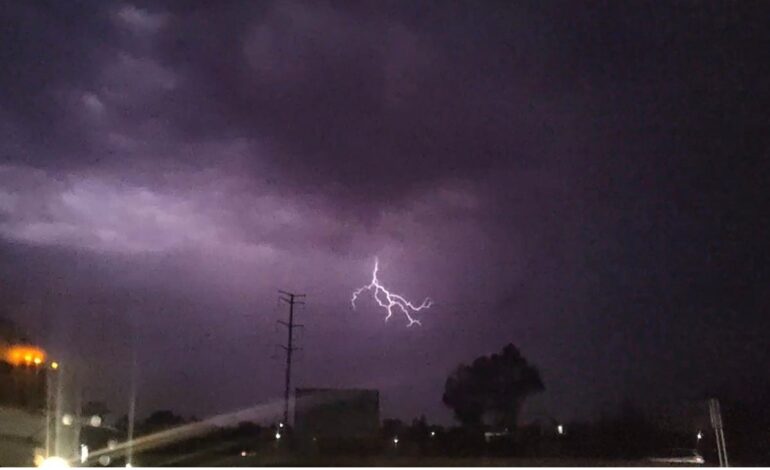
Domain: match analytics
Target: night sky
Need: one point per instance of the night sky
(587, 180)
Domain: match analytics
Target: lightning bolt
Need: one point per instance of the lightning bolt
(388, 300)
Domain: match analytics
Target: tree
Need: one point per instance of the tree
(95, 408)
(492, 389)
(122, 424)
(393, 427)
(160, 420)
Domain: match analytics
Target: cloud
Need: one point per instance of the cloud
(524, 165)
(101, 213)
(140, 21)
(93, 103)
(238, 150)
(357, 105)
(208, 212)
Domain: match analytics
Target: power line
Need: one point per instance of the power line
(289, 298)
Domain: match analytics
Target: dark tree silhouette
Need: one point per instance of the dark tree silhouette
(492, 389)
(122, 424)
(98, 408)
(159, 420)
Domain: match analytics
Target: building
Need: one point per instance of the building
(336, 414)
(32, 423)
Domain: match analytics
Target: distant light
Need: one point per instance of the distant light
(83, 453)
(54, 462)
(22, 354)
(560, 429)
(105, 460)
(112, 444)
(395, 440)
(277, 435)
(128, 465)
(243, 453)
(54, 365)
(700, 435)
(95, 421)
(432, 433)
(37, 361)
(66, 420)
(280, 425)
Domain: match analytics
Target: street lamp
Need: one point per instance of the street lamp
(54, 463)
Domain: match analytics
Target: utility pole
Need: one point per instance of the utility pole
(291, 299)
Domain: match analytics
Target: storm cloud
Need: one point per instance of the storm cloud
(586, 181)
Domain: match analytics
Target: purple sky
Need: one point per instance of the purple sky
(587, 181)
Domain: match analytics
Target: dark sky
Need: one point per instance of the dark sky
(587, 180)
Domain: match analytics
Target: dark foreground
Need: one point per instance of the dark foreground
(256, 461)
